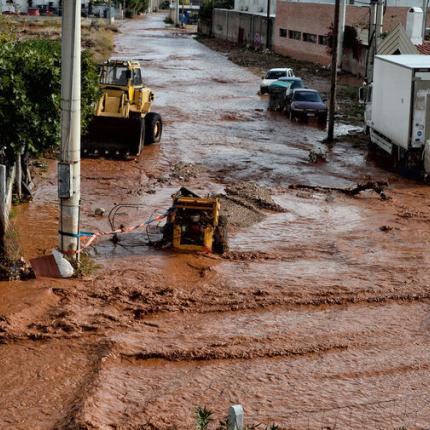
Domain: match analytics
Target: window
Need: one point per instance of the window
(296, 35)
(275, 74)
(137, 77)
(308, 37)
(323, 40)
(307, 96)
(114, 75)
(282, 32)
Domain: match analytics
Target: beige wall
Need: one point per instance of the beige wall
(316, 18)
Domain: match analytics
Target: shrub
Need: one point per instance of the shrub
(30, 95)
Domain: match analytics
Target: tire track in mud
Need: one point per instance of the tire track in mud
(210, 354)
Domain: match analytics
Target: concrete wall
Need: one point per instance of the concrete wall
(21, 6)
(301, 17)
(240, 27)
(254, 6)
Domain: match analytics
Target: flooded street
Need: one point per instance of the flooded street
(317, 318)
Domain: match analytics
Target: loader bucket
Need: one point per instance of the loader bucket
(113, 137)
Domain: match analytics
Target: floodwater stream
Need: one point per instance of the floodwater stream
(317, 318)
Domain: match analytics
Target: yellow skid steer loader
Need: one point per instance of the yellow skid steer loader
(122, 121)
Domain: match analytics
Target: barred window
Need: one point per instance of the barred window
(282, 32)
(309, 37)
(323, 40)
(297, 35)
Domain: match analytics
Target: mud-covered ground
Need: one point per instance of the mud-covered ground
(317, 317)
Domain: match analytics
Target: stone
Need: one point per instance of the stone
(99, 211)
(64, 267)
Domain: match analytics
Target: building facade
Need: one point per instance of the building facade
(302, 29)
(243, 28)
(255, 6)
(21, 6)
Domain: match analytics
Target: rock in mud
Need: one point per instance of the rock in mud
(316, 155)
(99, 211)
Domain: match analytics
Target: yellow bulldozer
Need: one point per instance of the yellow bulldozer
(122, 121)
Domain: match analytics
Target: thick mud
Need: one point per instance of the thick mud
(317, 317)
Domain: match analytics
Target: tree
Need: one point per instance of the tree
(30, 93)
(134, 7)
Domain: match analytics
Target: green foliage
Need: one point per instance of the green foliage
(134, 7)
(203, 418)
(30, 95)
(207, 6)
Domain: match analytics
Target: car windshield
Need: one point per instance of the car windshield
(297, 84)
(276, 74)
(307, 96)
(113, 75)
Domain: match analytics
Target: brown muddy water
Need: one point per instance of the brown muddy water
(318, 317)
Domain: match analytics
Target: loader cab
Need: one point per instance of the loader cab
(114, 74)
(125, 75)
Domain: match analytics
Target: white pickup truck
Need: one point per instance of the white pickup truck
(397, 113)
(273, 75)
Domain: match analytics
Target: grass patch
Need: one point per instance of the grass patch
(87, 266)
(97, 34)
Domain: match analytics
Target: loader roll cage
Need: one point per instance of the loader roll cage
(119, 75)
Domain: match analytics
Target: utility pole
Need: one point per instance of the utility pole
(110, 17)
(375, 29)
(341, 32)
(425, 8)
(268, 32)
(330, 132)
(70, 153)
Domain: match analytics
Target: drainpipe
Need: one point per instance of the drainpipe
(70, 153)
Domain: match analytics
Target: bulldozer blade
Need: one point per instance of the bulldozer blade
(107, 136)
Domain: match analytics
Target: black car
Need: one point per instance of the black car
(305, 103)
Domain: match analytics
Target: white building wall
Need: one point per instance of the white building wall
(21, 6)
(392, 3)
(255, 6)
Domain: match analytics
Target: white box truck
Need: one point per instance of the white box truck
(397, 114)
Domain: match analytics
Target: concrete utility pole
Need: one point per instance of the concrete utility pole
(70, 153)
(425, 9)
(332, 107)
(375, 29)
(342, 17)
(177, 12)
(110, 16)
(268, 32)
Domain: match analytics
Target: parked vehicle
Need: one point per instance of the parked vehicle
(280, 90)
(397, 113)
(306, 103)
(272, 75)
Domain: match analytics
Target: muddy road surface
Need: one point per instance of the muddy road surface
(318, 317)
